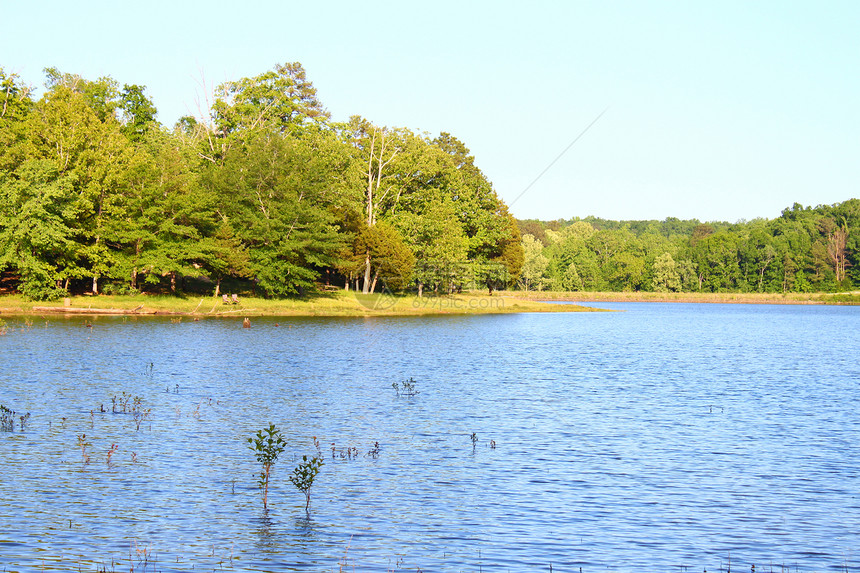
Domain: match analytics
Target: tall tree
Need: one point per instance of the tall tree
(138, 112)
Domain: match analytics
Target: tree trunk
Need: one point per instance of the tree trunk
(375, 278)
(173, 282)
(365, 288)
(96, 284)
(218, 287)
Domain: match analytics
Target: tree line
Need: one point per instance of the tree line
(262, 189)
(804, 249)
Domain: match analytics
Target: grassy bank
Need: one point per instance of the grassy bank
(739, 298)
(353, 304)
(330, 304)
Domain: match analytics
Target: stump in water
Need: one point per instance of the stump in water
(246, 323)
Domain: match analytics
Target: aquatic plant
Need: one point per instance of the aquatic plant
(350, 452)
(111, 452)
(84, 444)
(304, 475)
(267, 445)
(2, 327)
(7, 419)
(140, 415)
(118, 402)
(374, 450)
(407, 388)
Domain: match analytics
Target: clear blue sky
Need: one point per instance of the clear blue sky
(717, 110)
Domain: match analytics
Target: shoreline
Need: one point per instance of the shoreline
(818, 298)
(339, 304)
(350, 304)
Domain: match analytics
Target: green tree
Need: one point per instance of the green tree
(436, 239)
(392, 261)
(277, 198)
(16, 106)
(138, 112)
(37, 217)
(534, 265)
(717, 261)
(666, 277)
(267, 445)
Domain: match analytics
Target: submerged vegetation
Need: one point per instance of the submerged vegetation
(267, 445)
(304, 475)
(8, 417)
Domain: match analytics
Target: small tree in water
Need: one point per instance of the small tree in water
(267, 445)
(304, 475)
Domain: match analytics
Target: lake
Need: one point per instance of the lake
(666, 437)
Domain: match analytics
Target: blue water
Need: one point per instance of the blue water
(667, 437)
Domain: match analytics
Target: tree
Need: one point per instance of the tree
(717, 261)
(74, 126)
(436, 238)
(100, 95)
(138, 112)
(267, 445)
(837, 241)
(391, 259)
(162, 224)
(37, 226)
(534, 264)
(283, 98)
(380, 146)
(16, 106)
(278, 198)
(570, 280)
(666, 277)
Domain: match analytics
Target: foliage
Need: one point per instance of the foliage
(7, 419)
(266, 194)
(805, 249)
(304, 475)
(267, 445)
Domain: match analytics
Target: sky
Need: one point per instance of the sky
(625, 110)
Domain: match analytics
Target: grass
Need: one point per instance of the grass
(738, 298)
(339, 303)
(342, 303)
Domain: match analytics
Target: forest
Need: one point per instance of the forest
(262, 192)
(805, 249)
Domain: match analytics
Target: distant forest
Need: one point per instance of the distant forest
(804, 249)
(264, 193)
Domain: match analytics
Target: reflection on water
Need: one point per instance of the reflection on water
(662, 437)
